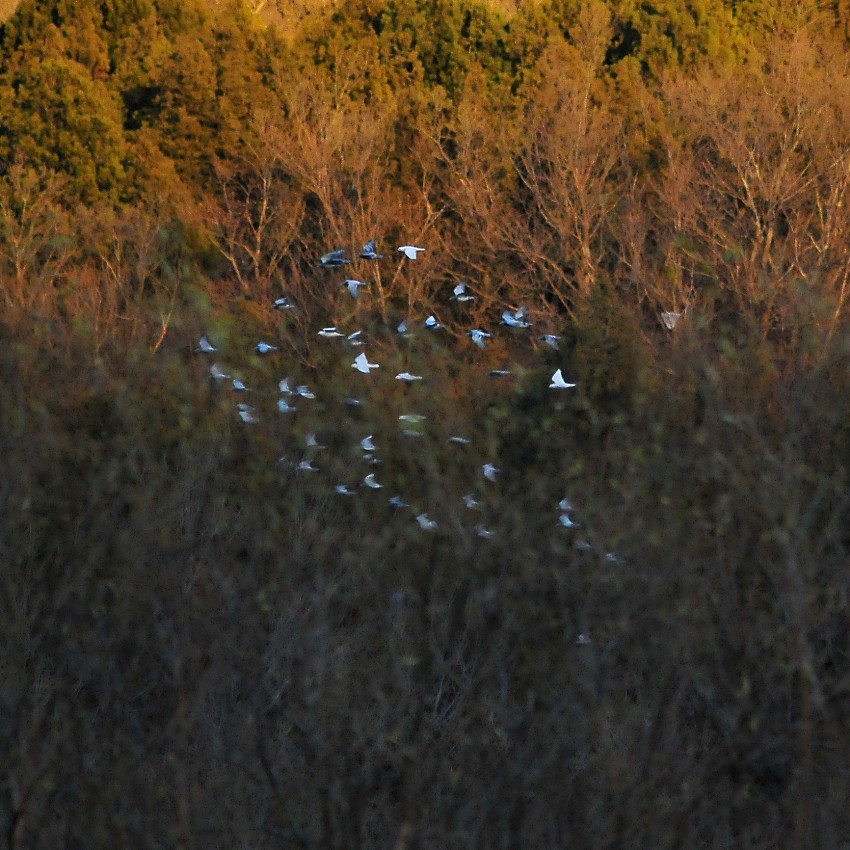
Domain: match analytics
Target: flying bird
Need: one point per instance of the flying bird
(471, 502)
(552, 340)
(284, 387)
(313, 442)
(304, 391)
(499, 373)
(370, 482)
(558, 382)
(239, 386)
(515, 320)
(398, 502)
(306, 465)
(285, 407)
(478, 336)
(334, 259)
(343, 490)
(354, 287)
(432, 324)
(247, 413)
(367, 445)
(205, 345)
(426, 523)
(462, 293)
(330, 333)
(490, 471)
(370, 252)
(670, 319)
(412, 418)
(355, 338)
(459, 441)
(361, 364)
(565, 521)
(407, 377)
(283, 303)
(410, 251)
(265, 348)
(218, 373)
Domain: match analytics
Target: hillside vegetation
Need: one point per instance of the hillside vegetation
(204, 644)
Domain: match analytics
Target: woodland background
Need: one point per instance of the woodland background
(198, 651)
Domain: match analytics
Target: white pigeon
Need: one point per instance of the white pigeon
(370, 459)
(407, 377)
(306, 465)
(247, 413)
(304, 391)
(490, 471)
(369, 481)
(412, 418)
(515, 320)
(205, 345)
(284, 387)
(558, 382)
(583, 639)
(342, 490)
(670, 318)
(410, 251)
(403, 329)
(484, 533)
(398, 502)
(355, 338)
(409, 432)
(361, 364)
(283, 303)
(459, 441)
(218, 373)
(426, 522)
(499, 373)
(552, 340)
(285, 407)
(471, 502)
(478, 336)
(334, 259)
(462, 293)
(353, 402)
(265, 348)
(565, 521)
(239, 386)
(432, 324)
(354, 287)
(370, 252)
(330, 332)
(565, 504)
(367, 444)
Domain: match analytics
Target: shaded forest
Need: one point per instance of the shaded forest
(204, 644)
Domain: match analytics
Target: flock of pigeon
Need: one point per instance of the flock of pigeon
(290, 395)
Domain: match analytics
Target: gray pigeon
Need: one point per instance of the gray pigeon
(334, 259)
(370, 252)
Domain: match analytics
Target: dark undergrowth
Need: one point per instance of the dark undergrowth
(203, 647)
